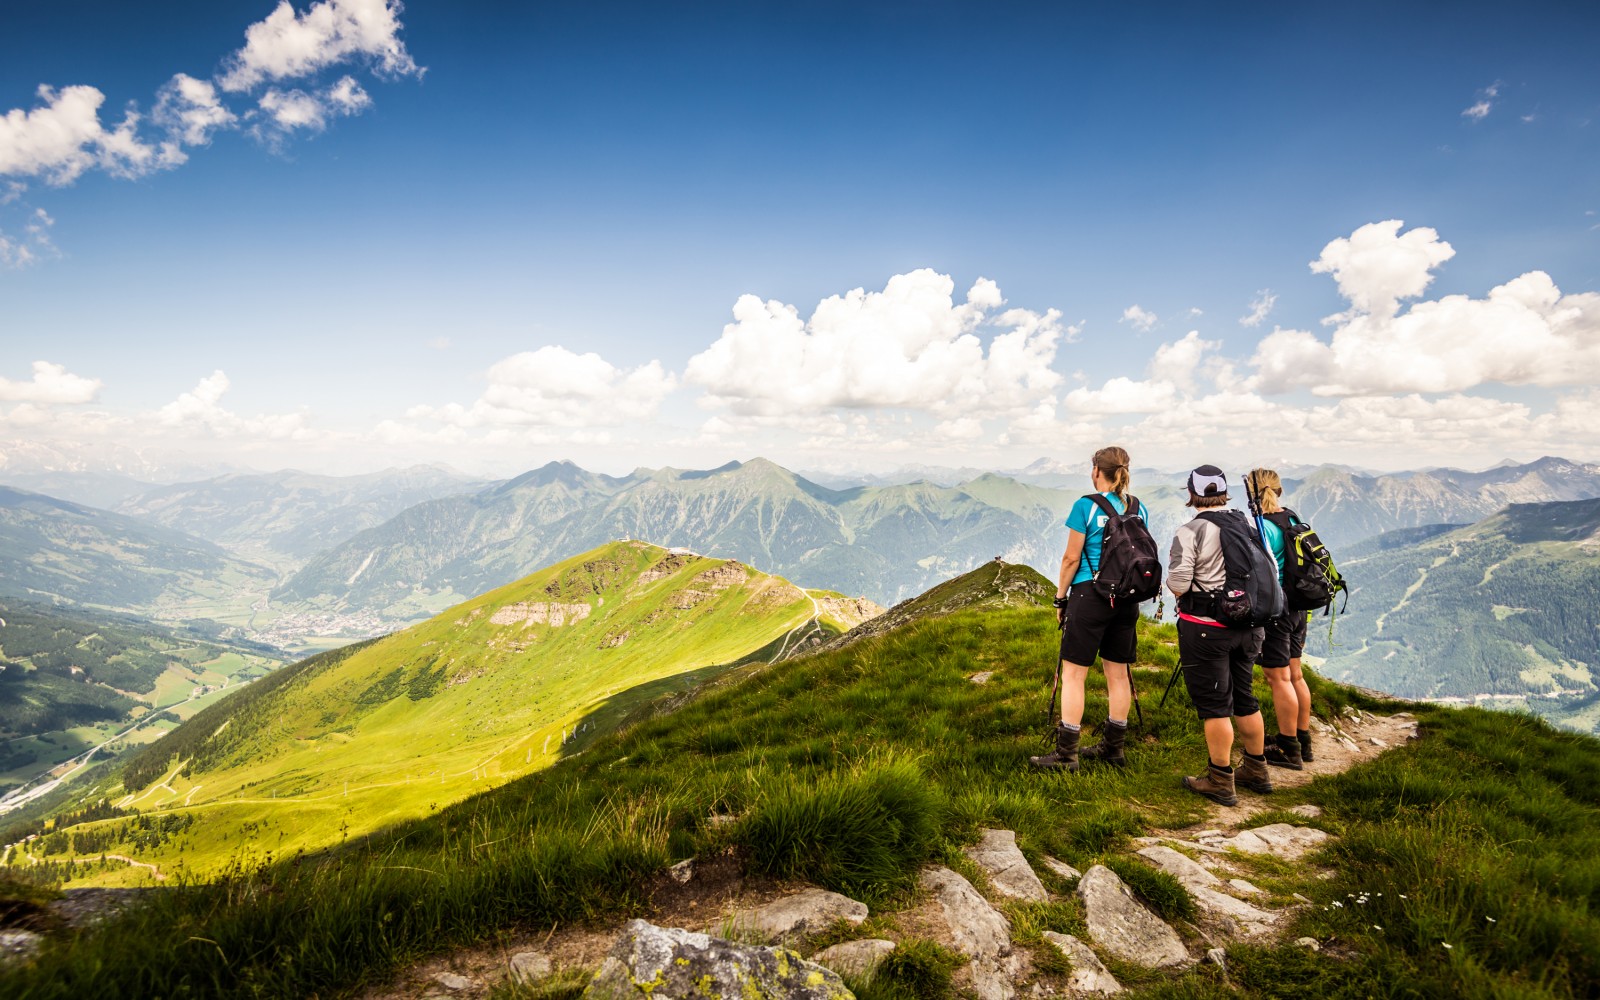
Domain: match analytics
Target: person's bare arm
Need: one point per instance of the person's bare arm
(1069, 566)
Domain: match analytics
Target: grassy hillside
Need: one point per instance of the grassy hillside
(854, 767)
(505, 684)
(74, 679)
(1508, 607)
(57, 551)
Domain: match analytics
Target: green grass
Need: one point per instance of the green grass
(855, 767)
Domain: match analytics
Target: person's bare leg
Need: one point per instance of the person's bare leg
(1285, 699)
(1252, 733)
(1219, 741)
(1119, 690)
(1302, 692)
(1073, 678)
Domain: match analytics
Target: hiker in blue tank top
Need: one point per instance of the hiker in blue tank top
(1093, 625)
(1284, 641)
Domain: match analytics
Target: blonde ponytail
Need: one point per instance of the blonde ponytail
(1268, 488)
(1113, 464)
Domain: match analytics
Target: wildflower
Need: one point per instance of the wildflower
(1491, 920)
(1376, 927)
(1402, 895)
(1447, 945)
(1338, 904)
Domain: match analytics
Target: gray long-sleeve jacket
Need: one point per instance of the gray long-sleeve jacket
(1195, 562)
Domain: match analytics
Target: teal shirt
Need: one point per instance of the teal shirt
(1274, 544)
(1089, 520)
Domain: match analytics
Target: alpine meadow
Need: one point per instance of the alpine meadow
(941, 501)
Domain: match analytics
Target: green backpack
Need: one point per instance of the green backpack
(1310, 579)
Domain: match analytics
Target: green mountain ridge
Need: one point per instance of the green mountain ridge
(1506, 609)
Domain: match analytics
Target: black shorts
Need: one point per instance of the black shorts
(1095, 627)
(1285, 640)
(1219, 667)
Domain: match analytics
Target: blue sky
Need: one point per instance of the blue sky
(609, 179)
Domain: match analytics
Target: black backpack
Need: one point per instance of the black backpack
(1130, 567)
(1250, 597)
(1310, 579)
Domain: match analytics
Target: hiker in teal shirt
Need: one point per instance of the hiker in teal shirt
(1284, 642)
(1093, 626)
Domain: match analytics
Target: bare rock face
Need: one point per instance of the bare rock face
(549, 613)
(800, 915)
(855, 958)
(977, 930)
(18, 946)
(664, 963)
(1089, 974)
(1123, 927)
(1009, 872)
(1237, 917)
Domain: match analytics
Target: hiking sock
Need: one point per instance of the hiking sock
(1225, 770)
(1288, 743)
(1304, 735)
(1255, 756)
(1119, 723)
(1070, 728)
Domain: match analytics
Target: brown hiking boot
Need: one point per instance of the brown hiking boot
(1253, 774)
(1285, 755)
(1109, 749)
(1305, 746)
(1215, 784)
(1065, 756)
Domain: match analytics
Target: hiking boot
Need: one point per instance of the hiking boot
(1285, 753)
(1253, 774)
(1215, 784)
(1065, 756)
(1109, 749)
(1305, 746)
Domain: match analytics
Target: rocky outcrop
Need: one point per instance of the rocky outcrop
(530, 967)
(1236, 917)
(799, 915)
(665, 962)
(1089, 974)
(549, 613)
(1009, 872)
(977, 930)
(1126, 929)
(1277, 839)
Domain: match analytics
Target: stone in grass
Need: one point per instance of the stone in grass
(1240, 885)
(1218, 957)
(800, 915)
(18, 946)
(649, 961)
(1235, 915)
(981, 677)
(1307, 810)
(1089, 974)
(453, 982)
(977, 930)
(1062, 869)
(1307, 942)
(996, 852)
(1124, 928)
(529, 967)
(858, 959)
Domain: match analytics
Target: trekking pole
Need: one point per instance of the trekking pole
(1135, 691)
(1170, 681)
(1253, 500)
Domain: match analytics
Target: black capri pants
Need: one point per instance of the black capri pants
(1219, 668)
(1095, 626)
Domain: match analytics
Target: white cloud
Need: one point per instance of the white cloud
(1375, 266)
(63, 137)
(555, 387)
(1478, 111)
(908, 347)
(200, 409)
(1138, 318)
(1260, 307)
(1123, 395)
(1525, 332)
(1178, 361)
(190, 111)
(289, 110)
(287, 45)
(51, 384)
(32, 246)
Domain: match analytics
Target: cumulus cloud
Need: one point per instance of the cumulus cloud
(555, 387)
(1479, 109)
(200, 409)
(51, 384)
(910, 346)
(63, 137)
(1138, 318)
(190, 110)
(288, 45)
(1525, 332)
(1260, 307)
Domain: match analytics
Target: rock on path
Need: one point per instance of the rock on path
(800, 915)
(1089, 974)
(1009, 872)
(977, 930)
(855, 958)
(1239, 918)
(651, 961)
(1121, 926)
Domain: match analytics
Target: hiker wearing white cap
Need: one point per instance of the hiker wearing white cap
(1218, 656)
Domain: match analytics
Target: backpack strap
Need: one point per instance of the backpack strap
(1282, 518)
